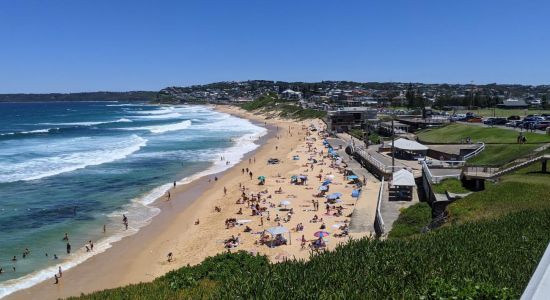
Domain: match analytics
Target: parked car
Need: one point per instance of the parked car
(495, 121)
(514, 118)
(474, 120)
(542, 125)
(513, 124)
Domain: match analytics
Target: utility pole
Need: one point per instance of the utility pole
(392, 145)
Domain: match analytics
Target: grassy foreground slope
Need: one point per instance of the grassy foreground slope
(454, 133)
(491, 259)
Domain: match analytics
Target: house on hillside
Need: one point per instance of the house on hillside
(291, 95)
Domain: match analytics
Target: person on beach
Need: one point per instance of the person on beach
(169, 257)
(66, 237)
(125, 221)
(60, 272)
(56, 279)
(1, 271)
(55, 256)
(68, 248)
(168, 195)
(91, 245)
(104, 228)
(14, 259)
(224, 190)
(174, 184)
(215, 178)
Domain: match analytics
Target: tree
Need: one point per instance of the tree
(409, 95)
(544, 101)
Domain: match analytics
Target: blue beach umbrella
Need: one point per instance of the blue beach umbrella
(355, 193)
(327, 182)
(352, 177)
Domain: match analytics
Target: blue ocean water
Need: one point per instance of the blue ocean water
(72, 167)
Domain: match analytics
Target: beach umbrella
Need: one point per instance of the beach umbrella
(261, 177)
(321, 234)
(277, 230)
(323, 188)
(285, 202)
(353, 177)
(355, 193)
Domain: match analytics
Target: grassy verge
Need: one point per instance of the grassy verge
(451, 185)
(455, 133)
(411, 220)
(500, 154)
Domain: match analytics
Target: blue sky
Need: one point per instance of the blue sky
(77, 45)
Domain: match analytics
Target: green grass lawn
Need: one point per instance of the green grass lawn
(500, 154)
(451, 185)
(525, 189)
(454, 133)
(488, 112)
(411, 220)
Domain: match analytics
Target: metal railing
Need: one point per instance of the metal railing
(379, 226)
(436, 178)
(475, 152)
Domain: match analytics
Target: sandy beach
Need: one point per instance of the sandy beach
(143, 256)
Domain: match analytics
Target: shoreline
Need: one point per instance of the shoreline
(89, 275)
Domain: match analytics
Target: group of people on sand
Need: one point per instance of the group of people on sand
(258, 204)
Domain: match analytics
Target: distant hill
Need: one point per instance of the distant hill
(92, 96)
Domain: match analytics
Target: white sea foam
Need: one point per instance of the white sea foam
(158, 117)
(121, 120)
(46, 166)
(162, 128)
(162, 111)
(30, 131)
(140, 209)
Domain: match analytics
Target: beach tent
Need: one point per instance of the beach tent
(280, 230)
(334, 196)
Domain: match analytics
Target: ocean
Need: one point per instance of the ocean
(72, 167)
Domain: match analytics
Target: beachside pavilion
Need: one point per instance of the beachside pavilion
(407, 149)
(402, 184)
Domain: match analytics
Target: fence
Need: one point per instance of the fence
(379, 227)
(476, 152)
(438, 178)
